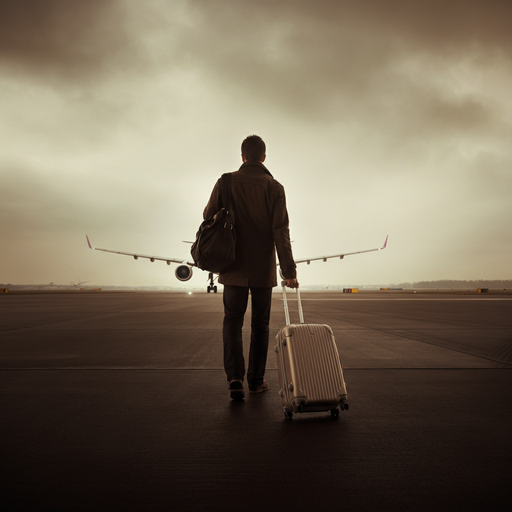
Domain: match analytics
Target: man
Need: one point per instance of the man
(261, 223)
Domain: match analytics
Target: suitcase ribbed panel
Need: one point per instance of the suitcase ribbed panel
(315, 364)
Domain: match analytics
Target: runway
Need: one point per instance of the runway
(118, 401)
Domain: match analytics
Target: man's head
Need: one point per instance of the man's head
(253, 149)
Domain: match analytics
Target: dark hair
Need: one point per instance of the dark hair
(253, 148)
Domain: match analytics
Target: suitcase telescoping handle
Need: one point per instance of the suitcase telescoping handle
(285, 303)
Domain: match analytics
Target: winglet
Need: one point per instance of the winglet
(385, 243)
(89, 243)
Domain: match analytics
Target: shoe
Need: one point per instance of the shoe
(263, 387)
(237, 389)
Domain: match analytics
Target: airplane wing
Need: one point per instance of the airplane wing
(136, 256)
(341, 256)
(170, 260)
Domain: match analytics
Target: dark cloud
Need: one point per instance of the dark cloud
(436, 23)
(69, 38)
(337, 60)
(322, 55)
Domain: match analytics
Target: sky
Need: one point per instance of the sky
(380, 118)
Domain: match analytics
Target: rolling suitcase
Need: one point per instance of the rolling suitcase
(309, 367)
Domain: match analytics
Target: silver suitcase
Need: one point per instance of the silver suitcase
(309, 367)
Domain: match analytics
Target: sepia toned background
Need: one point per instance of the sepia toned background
(118, 116)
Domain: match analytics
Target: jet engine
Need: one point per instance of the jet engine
(183, 272)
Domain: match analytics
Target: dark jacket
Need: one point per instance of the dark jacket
(261, 222)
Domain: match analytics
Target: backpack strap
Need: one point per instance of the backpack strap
(225, 185)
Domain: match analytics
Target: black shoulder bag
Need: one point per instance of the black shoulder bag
(214, 248)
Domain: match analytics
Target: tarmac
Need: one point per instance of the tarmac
(118, 401)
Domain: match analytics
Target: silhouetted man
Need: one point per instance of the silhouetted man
(261, 222)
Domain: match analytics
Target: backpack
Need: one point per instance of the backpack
(214, 248)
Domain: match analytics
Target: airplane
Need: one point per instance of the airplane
(183, 271)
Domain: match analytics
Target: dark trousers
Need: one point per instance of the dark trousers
(235, 304)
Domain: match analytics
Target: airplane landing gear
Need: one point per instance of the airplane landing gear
(211, 287)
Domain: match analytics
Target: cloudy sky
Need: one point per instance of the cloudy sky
(380, 117)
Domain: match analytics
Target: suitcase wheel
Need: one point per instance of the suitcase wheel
(335, 412)
(288, 414)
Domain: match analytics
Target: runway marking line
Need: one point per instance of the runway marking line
(412, 298)
(218, 369)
